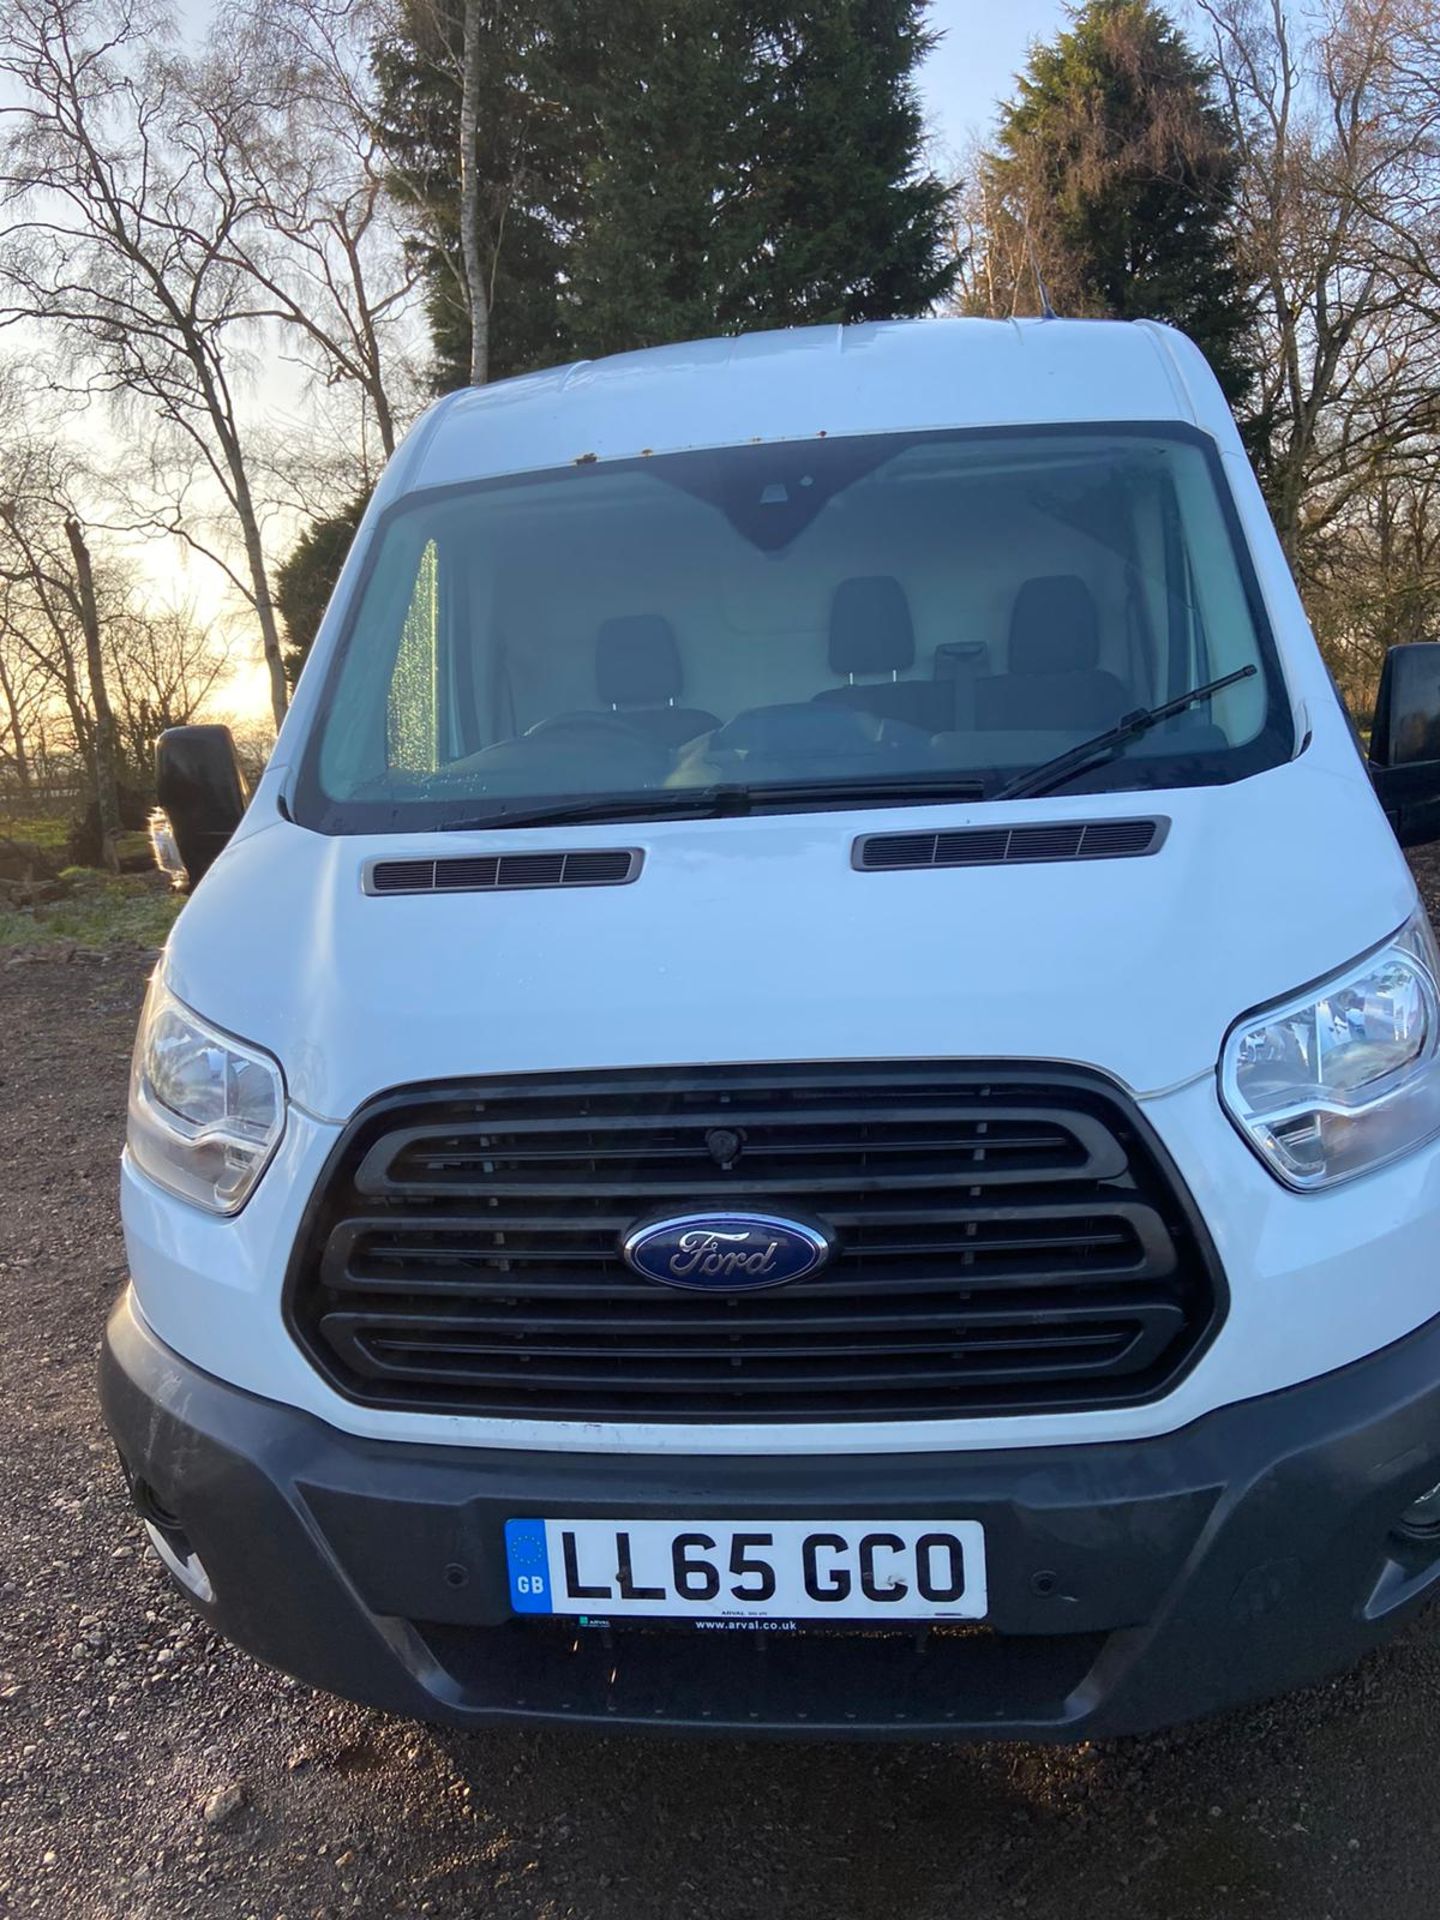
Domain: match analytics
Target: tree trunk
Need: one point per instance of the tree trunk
(259, 580)
(477, 291)
(107, 788)
(20, 755)
(269, 626)
(222, 421)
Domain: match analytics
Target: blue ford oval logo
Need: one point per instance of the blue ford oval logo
(725, 1252)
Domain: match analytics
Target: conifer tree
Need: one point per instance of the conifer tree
(756, 166)
(656, 169)
(1113, 180)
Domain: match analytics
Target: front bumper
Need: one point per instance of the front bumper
(1132, 1584)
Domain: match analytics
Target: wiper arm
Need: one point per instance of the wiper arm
(724, 801)
(1090, 753)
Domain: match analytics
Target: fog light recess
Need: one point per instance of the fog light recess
(171, 1543)
(1421, 1519)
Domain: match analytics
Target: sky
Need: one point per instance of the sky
(984, 46)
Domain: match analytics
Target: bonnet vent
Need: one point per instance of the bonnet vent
(490, 872)
(1008, 846)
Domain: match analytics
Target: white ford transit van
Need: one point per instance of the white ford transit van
(808, 1098)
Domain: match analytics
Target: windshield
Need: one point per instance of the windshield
(834, 622)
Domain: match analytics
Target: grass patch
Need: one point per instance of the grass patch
(47, 832)
(97, 911)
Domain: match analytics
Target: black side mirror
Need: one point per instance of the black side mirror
(1405, 742)
(201, 787)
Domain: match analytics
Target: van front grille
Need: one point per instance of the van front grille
(1005, 1239)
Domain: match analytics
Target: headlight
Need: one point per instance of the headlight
(206, 1111)
(1347, 1075)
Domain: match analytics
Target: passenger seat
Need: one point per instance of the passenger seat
(638, 675)
(871, 632)
(1054, 683)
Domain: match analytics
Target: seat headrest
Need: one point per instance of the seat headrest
(870, 626)
(1054, 627)
(637, 663)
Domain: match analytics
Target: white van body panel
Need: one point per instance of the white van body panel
(756, 940)
(799, 384)
(1280, 1522)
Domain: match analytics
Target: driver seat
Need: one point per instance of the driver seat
(639, 677)
(1055, 680)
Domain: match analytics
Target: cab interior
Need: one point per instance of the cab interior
(794, 613)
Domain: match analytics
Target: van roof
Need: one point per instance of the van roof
(796, 383)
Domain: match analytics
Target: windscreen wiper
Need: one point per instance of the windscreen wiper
(727, 800)
(1051, 774)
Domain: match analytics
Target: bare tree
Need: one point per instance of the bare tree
(165, 667)
(1402, 203)
(1345, 375)
(325, 251)
(89, 664)
(43, 633)
(125, 199)
(24, 695)
(52, 615)
(1376, 580)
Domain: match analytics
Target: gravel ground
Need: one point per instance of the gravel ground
(148, 1771)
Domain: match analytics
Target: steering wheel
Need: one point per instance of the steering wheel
(612, 725)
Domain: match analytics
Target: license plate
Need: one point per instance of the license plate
(728, 1570)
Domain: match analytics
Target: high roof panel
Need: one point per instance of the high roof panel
(799, 382)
